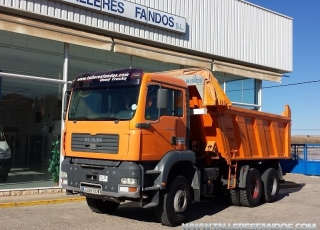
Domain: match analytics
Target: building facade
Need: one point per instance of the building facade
(44, 44)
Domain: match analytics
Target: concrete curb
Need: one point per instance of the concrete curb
(40, 202)
(31, 191)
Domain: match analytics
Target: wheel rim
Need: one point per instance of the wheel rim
(255, 186)
(273, 187)
(180, 201)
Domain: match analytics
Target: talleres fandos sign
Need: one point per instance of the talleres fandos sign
(135, 12)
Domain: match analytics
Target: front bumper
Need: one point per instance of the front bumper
(5, 166)
(83, 174)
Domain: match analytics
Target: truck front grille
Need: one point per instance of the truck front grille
(100, 143)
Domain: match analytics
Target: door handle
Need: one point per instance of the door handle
(173, 140)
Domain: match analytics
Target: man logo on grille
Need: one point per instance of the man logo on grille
(93, 146)
(93, 140)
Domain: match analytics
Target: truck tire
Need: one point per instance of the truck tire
(102, 206)
(4, 177)
(234, 197)
(251, 195)
(270, 180)
(174, 202)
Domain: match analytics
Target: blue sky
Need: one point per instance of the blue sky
(304, 98)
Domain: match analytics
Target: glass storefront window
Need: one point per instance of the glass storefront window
(30, 115)
(240, 90)
(84, 59)
(31, 56)
(152, 65)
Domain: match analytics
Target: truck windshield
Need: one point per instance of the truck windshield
(107, 103)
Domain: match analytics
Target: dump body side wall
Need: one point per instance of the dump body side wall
(242, 134)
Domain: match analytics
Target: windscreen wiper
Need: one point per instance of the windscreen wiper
(80, 118)
(104, 119)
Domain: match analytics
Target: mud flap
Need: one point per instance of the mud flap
(196, 185)
(280, 173)
(243, 176)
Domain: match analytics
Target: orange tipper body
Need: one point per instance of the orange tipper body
(164, 139)
(236, 133)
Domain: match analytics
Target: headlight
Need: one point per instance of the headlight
(64, 180)
(129, 181)
(8, 153)
(64, 174)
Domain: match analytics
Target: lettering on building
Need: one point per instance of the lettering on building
(135, 12)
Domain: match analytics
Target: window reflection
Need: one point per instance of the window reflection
(240, 90)
(31, 56)
(30, 115)
(174, 103)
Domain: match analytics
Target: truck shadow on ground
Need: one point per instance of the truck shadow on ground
(285, 191)
(209, 206)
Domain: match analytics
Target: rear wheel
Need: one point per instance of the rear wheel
(4, 177)
(270, 180)
(234, 197)
(251, 195)
(102, 206)
(174, 202)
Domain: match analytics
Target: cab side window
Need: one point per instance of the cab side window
(178, 103)
(152, 112)
(174, 104)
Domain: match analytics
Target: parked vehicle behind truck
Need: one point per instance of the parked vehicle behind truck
(167, 139)
(5, 157)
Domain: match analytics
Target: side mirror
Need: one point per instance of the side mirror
(66, 99)
(162, 98)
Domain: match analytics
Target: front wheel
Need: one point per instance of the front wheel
(102, 206)
(174, 202)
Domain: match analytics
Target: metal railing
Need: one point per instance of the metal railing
(307, 152)
(305, 160)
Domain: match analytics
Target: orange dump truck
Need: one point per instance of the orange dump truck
(166, 139)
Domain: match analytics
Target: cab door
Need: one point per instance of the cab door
(167, 130)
